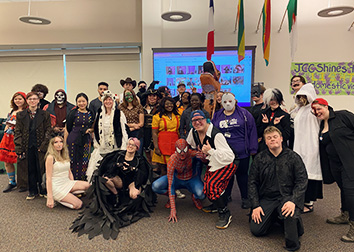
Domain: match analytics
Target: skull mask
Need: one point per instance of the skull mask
(60, 97)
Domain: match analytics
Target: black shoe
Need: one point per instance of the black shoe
(210, 209)
(225, 218)
(22, 189)
(2, 171)
(9, 188)
(31, 196)
(246, 204)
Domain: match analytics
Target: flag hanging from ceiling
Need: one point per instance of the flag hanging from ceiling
(292, 16)
(241, 31)
(266, 31)
(210, 43)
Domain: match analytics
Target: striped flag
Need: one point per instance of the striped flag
(292, 16)
(266, 31)
(241, 31)
(210, 44)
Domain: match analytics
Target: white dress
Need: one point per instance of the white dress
(61, 184)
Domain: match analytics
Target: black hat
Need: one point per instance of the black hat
(128, 80)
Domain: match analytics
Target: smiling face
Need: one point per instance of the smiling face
(33, 101)
(320, 111)
(128, 96)
(58, 143)
(169, 106)
(181, 89)
(195, 102)
(184, 98)
(19, 101)
(273, 104)
(131, 147)
(296, 84)
(81, 103)
(219, 97)
(152, 99)
(199, 123)
(108, 103)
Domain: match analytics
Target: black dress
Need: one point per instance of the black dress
(107, 213)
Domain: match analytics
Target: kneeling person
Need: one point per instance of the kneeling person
(276, 186)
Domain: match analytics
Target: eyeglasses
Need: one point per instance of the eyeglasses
(132, 145)
(199, 120)
(295, 81)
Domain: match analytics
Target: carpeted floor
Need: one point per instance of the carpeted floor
(31, 226)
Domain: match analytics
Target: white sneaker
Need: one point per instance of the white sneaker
(180, 195)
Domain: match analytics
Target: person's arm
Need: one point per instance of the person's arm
(49, 174)
(254, 183)
(155, 132)
(18, 137)
(222, 152)
(170, 177)
(141, 120)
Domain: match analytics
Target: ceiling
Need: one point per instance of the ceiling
(120, 21)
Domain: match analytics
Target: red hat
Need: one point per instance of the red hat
(319, 101)
(22, 94)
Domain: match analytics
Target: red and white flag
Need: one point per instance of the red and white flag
(210, 44)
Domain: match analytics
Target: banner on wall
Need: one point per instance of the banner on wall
(329, 78)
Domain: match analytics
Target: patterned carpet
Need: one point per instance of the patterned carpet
(31, 226)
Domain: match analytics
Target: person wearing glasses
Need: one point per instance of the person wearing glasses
(213, 150)
(31, 142)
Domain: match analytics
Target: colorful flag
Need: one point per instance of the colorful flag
(241, 31)
(210, 44)
(266, 31)
(292, 13)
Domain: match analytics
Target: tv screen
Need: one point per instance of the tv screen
(184, 65)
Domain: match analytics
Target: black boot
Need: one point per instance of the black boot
(224, 213)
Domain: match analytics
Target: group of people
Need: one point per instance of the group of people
(118, 146)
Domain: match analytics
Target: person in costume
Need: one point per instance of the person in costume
(306, 144)
(211, 86)
(184, 103)
(239, 128)
(7, 145)
(110, 130)
(121, 194)
(273, 115)
(42, 92)
(214, 150)
(32, 133)
(336, 137)
(128, 85)
(180, 174)
(276, 187)
(165, 124)
(60, 183)
(58, 110)
(96, 103)
(78, 131)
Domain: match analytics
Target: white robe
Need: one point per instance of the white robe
(306, 128)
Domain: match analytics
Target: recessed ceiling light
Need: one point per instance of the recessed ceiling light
(34, 20)
(176, 16)
(335, 11)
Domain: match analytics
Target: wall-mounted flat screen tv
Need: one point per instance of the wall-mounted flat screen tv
(175, 65)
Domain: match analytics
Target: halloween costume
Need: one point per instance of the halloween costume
(106, 212)
(180, 174)
(7, 145)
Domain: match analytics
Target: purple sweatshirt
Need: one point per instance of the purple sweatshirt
(239, 130)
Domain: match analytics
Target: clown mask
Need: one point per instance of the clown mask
(228, 101)
(181, 148)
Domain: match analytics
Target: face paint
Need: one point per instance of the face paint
(228, 102)
(129, 97)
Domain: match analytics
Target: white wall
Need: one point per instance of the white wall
(319, 39)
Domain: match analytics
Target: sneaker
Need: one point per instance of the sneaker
(9, 188)
(349, 237)
(197, 202)
(225, 218)
(180, 195)
(210, 209)
(31, 196)
(343, 218)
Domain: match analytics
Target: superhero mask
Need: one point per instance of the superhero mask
(228, 101)
(181, 148)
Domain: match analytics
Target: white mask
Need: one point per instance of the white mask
(60, 97)
(228, 102)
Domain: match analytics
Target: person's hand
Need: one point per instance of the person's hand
(206, 147)
(158, 152)
(50, 202)
(88, 131)
(173, 216)
(288, 209)
(194, 90)
(133, 192)
(256, 215)
(277, 119)
(265, 118)
(178, 103)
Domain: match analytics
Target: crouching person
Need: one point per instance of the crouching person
(213, 150)
(276, 186)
